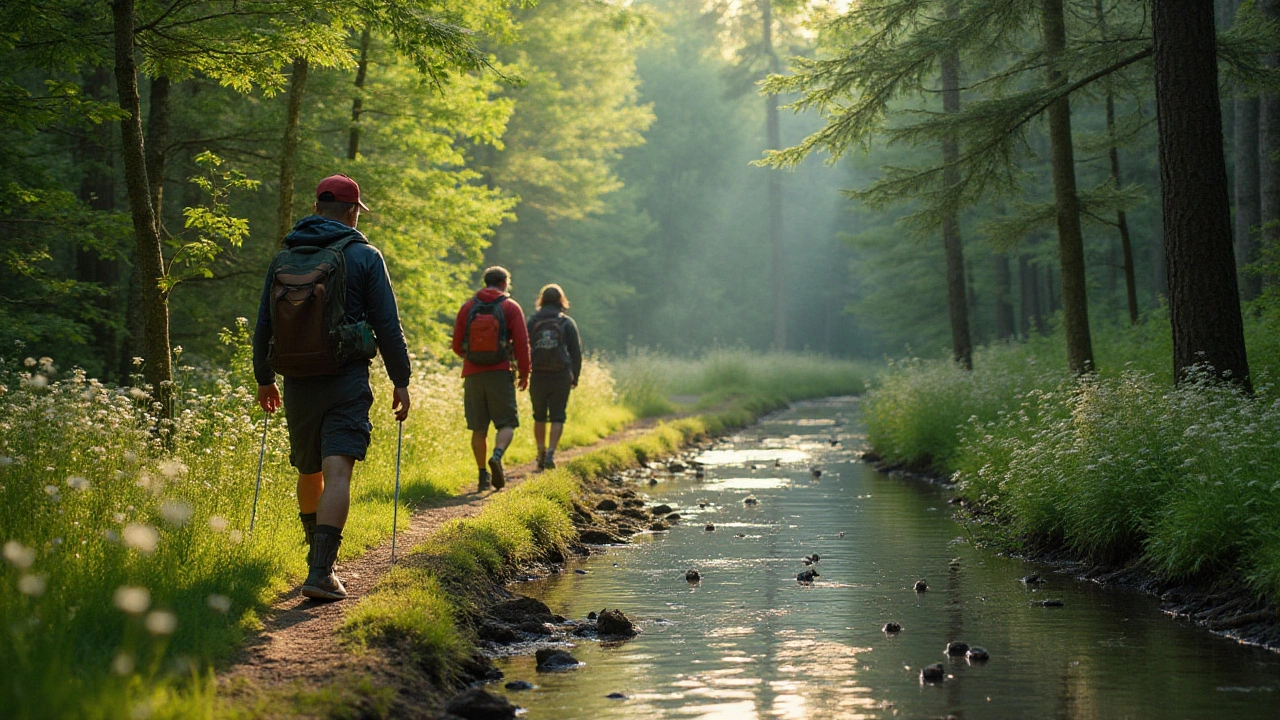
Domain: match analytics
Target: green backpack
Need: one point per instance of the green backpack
(309, 335)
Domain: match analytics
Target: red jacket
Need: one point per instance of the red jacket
(513, 316)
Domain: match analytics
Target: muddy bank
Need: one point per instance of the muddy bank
(1224, 606)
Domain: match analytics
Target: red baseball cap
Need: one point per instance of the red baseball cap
(342, 188)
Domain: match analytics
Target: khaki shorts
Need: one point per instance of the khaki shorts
(490, 397)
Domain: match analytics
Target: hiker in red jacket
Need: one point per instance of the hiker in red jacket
(489, 331)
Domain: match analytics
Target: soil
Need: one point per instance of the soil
(297, 649)
(1221, 605)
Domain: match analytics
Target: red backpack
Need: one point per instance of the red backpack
(484, 340)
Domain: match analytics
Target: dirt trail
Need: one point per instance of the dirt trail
(298, 644)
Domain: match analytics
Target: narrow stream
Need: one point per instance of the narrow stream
(751, 642)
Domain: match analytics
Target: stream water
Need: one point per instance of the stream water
(749, 641)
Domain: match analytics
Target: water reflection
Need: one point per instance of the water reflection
(749, 642)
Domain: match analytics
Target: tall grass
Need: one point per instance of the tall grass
(129, 568)
(648, 381)
(1120, 466)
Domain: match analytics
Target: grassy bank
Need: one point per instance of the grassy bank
(1121, 467)
(129, 568)
(648, 382)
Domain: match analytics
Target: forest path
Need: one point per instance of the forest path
(298, 646)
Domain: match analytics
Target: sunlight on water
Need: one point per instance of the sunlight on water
(749, 641)
(739, 457)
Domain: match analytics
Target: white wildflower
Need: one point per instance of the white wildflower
(133, 600)
(51, 491)
(137, 361)
(119, 517)
(111, 536)
(19, 555)
(176, 512)
(221, 603)
(5, 461)
(235, 536)
(142, 538)
(172, 468)
(75, 482)
(218, 523)
(32, 585)
(38, 381)
(137, 393)
(130, 456)
(161, 622)
(122, 664)
(29, 362)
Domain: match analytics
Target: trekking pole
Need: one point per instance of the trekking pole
(395, 511)
(262, 453)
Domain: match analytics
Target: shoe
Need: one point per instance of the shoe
(495, 467)
(321, 583)
(549, 462)
(484, 481)
(541, 458)
(308, 529)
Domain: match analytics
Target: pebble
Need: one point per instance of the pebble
(1033, 579)
(932, 673)
(920, 586)
(581, 572)
(750, 500)
(616, 696)
(955, 647)
(816, 472)
(977, 655)
(1050, 603)
(519, 685)
(891, 628)
(807, 576)
(709, 527)
(693, 576)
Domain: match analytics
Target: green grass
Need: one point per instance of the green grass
(647, 381)
(1120, 467)
(92, 502)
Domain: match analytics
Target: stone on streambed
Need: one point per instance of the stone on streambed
(692, 576)
(658, 527)
(616, 696)
(977, 655)
(955, 647)
(806, 577)
(710, 528)
(750, 500)
(1032, 579)
(920, 586)
(496, 632)
(633, 503)
(615, 622)
(933, 673)
(476, 704)
(519, 685)
(553, 659)
(672, 518)
(1050, 603)
(607, 505)
(891, 628)
(598, 536)
(522, 609)
(635, 514)
(661, 510)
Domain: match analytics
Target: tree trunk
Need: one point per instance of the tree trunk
(1204, 307)
(289, 149)
(957, 303)
(777, 256)
(1269, 145)
(157, 144)
(357, 103)
(1004, 298)
(158, 370)
(1075, 301)
(1029, 302)
(1122, 222)
(1248, 196)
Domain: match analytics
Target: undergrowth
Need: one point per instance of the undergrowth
(129, 566)
(1118, 467)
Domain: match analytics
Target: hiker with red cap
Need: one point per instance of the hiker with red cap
(327, 309)
(488, 334)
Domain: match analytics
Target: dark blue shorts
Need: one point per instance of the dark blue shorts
(549, 394)
(328, 416)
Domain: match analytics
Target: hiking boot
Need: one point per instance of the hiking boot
(321, 583)
(549, 461)
(495, 467)
(308, 529)
(484, 480)
(541, 458)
